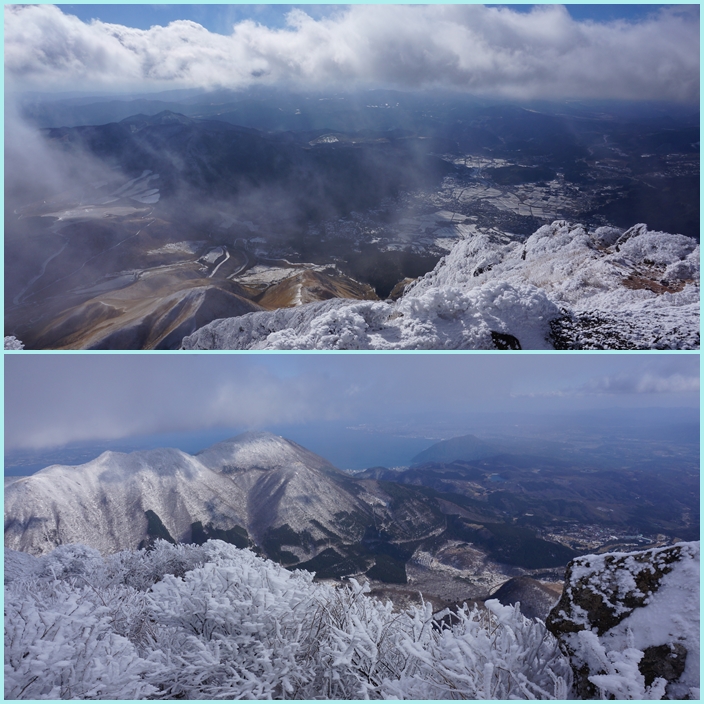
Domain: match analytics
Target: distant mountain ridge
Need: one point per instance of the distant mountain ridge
(470, 447)
(212, 158)
(467, 447)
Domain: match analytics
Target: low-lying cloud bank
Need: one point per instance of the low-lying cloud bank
(539, 54)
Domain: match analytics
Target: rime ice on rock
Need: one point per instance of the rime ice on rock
(564, 287)
(12, 343)
(630, 623)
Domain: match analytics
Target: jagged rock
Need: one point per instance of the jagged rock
(629, 623)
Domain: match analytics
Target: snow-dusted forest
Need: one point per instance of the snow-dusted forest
(215, 622)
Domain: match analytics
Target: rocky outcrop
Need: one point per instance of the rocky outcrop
(629, 623)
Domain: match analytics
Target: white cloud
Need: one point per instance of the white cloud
(51, 400)
(624, 384)
(647, 383)
(543, 53)
(55, 400)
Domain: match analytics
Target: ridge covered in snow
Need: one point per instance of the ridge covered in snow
(565, 287)
(102, 503)
(257, 481)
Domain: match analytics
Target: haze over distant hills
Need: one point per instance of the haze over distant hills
(176, 212)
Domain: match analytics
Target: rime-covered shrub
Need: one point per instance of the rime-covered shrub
(143, 568)
(215, 622)
(61, 642)
(492, 653)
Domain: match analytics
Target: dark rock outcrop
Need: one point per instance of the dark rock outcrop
(535, 599)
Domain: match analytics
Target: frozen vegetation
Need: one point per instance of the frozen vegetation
(564, 287)
(215, 622)
(12, 343)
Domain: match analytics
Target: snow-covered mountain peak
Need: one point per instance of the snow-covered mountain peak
(255, 482)
(258, 450)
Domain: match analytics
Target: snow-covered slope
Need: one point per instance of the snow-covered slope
(257, 481)
(258, 450)
(102, 503)
(285, 484)
(563, 287)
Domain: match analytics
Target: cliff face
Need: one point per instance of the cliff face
(629, 623)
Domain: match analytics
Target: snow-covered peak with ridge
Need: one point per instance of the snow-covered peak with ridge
(256, 481)
(257, 450)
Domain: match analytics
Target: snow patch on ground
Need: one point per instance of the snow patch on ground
(213, 255)
(179, 248)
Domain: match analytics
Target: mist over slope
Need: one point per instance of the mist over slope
(565, 288)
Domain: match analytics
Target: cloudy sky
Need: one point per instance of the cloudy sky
(51, 400)
(540, 51)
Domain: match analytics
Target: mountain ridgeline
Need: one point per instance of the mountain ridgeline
(325, 175)
(267, 493)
